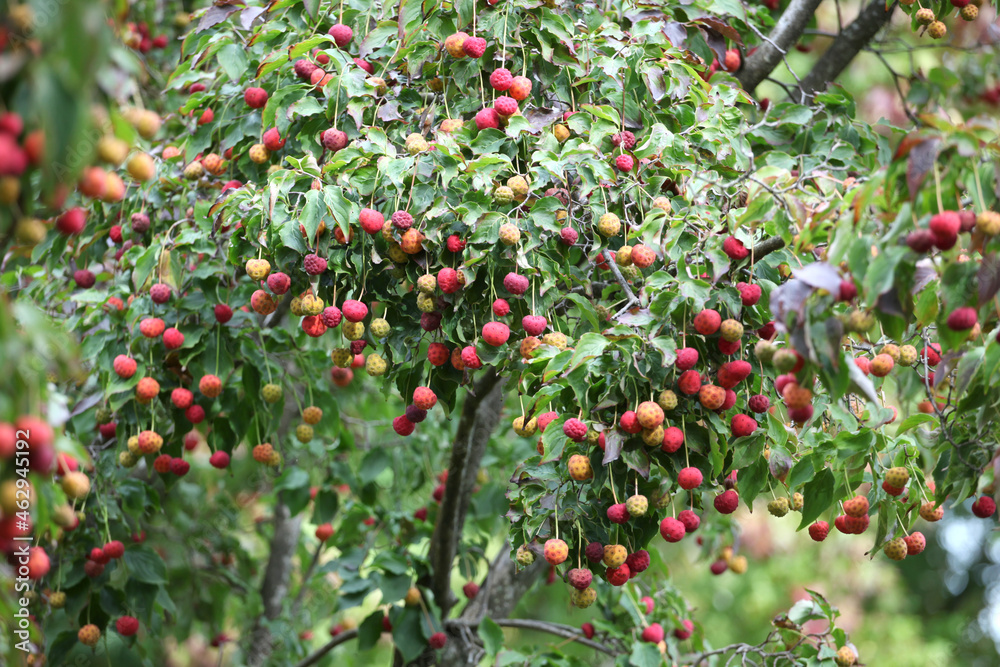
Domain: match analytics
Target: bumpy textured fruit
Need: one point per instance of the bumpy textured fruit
(819, 530)
(731, 331)
(375, 365)
(580, 468)
(262, 453)
(915, 543)
(523, 428)
(711, 396)
(525, 556)
(609, 225)
(579, 578)
(707, 322)
(856, 506)
(897, 477)
(271, 392)
(501, 79)
(689, 478)
(583, 599)
(89, 635)
(667, 400)
(937, 30)
(637, 505)
(614, 555)
(303, 433)
(778, 507)
(556, 551)
(895, 549)
(845, 657)
(672, 530)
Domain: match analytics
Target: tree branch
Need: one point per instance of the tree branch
(342, 637)
(480, 416)
(632, 300)
(766, 247)
(557, 629)
(275, 585)
(785, 34)
(851, 40)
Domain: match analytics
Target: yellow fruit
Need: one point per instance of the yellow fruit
(609, 225)
(561, 133)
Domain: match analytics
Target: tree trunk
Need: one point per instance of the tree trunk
(275, 586)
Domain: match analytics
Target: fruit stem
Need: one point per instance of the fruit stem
(979, 187)
(218, 345)
(579, 544)
(611, 478)
(555, 510)
(937, 187)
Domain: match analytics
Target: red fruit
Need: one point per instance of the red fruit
(920, 240)
(179, 467)
(98, 556)
(579, 578)
(618, 514)
(514, 283)
(672, 530)
(341, 34)
(108, 430)
(195, 414)
(474, 47)
(568, 236)
(687, 358)
(162, 463)
(545, 419)
(534, 325)
(892, 490)
(487, 118)
(733, 372)
(733, 247)
(324, 532)
(856, 506)
(72, 221)
(371, 220)
(689, 478)
(403, 426)
(505, 106)
(496, 333)
(689, 382)
(690, 520)
(210, 386)
(767, 331)
(420, 514)
(594, 552)
(437, 354)
(625, 139)
(279, 282)
(159, 293)
(315, 265)
(673, 438)
(438, 640)
(93, 569)
(501, 79)
(520, 88)
(181, 398)
(718, 567)
(638, 561)
(333, 139)
(629, 422)
(219, 460)
(618, 576)
(501, 308)
(127, 626)
(115, 233)
(944, 226)
(471, 358)
(732, 61)
(575, 429)
(172, 339)
(684, 633)
(915, 543)
(206, 117)
(152, 327)
(470, 589)
(743, 425)
(114, 549)
(272, 140)
(256, 98)
(932, 354)
(624, 163)
(848, 290)
(447, 280)
(191, 440)
(304, 69)
(415, 414)
(365, 65)
(455, 243)
(223, 313)
(800, 415)
(962, 319)
(856, 524)
(707, 322)
(984, 507)
(819, 530)
(653, 633)
(424, 398)
(759, 403)
(354, 311)
(749, 294)
(124, 366)
(727, 502)
(588, 630)
(331, 316)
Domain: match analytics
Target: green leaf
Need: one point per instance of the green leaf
(409, 634)
(645, 655)
(589, 346)
(370, 630)
(233, 62)
(914, 421)
(752, 480)
(818, 496)
(145, 565)
(492, 635)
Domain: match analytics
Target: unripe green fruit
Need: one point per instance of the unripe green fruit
(271, 392)
(375, 365)
(353, 330)
(784, 360)
(304, 433)
(637, 505)
(778, 507)
(103, 415)
(426, 283)
(667, 400)
(503, 195)
(380, 328)
(525, 556)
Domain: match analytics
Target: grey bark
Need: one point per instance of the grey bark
(845, 47)
(784, 35)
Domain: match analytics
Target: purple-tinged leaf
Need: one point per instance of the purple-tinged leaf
(921, 161)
